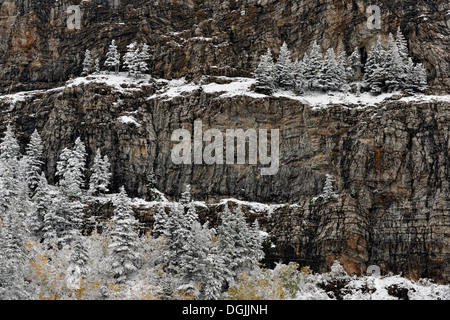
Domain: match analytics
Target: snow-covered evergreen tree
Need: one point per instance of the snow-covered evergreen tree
(34, 161)
(186, 195)
(124, 238)
(101, 175)
(264, 74)
(375, 73)
(342, 66)
(78, 262)
(42, 202)
(9, 147)
(62, 221)
(131, 60)
(10, 173)
(113, 58)
(328, 189)
(97, 66)
(299, 77)
(14, 209)
(283, 70)
(313, 64)
(238, 244)
(354, 64)
(402, 45)
(328, 78)
(70, 168)
(142, 57)
(419, 75)
(88, 63)
(394, 66)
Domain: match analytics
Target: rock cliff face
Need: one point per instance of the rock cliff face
(389, 161)
(195, 37)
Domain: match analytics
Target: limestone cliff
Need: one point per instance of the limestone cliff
(389, 159)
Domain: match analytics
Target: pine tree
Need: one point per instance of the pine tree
(62, 221)
(420, 77)
(14, 209)
(238, 244)
(70, 168)
(395, 76)
(42, 202)
(402, 45)
(100, 177)
(123, 239)
(130, 59)
(13, 256)
(328, 190)
(186, 195)
(142, 57)
(299, 77)
(374, 70)
(78, 262)
(34, 152)
(113, 57)
(354, 64)
(313, 64)
(342, 66)
(328, 78)
(264, 74)
(9, 147)
(97, 66)
(10, 173)
(88, 63)
(161, 220)
(283, 70)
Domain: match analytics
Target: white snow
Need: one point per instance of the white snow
(256, 207)
(119, 82)
(236, 87)
(129, 120)
(419, 98)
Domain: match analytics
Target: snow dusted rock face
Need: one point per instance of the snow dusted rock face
(191, 38)
(388, 161)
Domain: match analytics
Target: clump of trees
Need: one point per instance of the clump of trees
(134, 61)
(386, 70)
(46, 251)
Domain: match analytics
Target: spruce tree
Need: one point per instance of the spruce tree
(88, 63)
(34, 152)
(342, 66)
(70, 168)
(238, 244)
(313, 64)
(299, 77)
(374, 69)
(42, 202)
(328, 77)
(420, 77)
(264, 74)
(113, 58)
(394, 66)
(142, 57)
(130, 59)
(354, 64)
(328, 190)
(78, 262)
(283, 70)
(402, 45)
(100, 176)
(124, 238)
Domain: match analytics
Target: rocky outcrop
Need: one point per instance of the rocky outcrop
(389, 163)
(192, 38)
